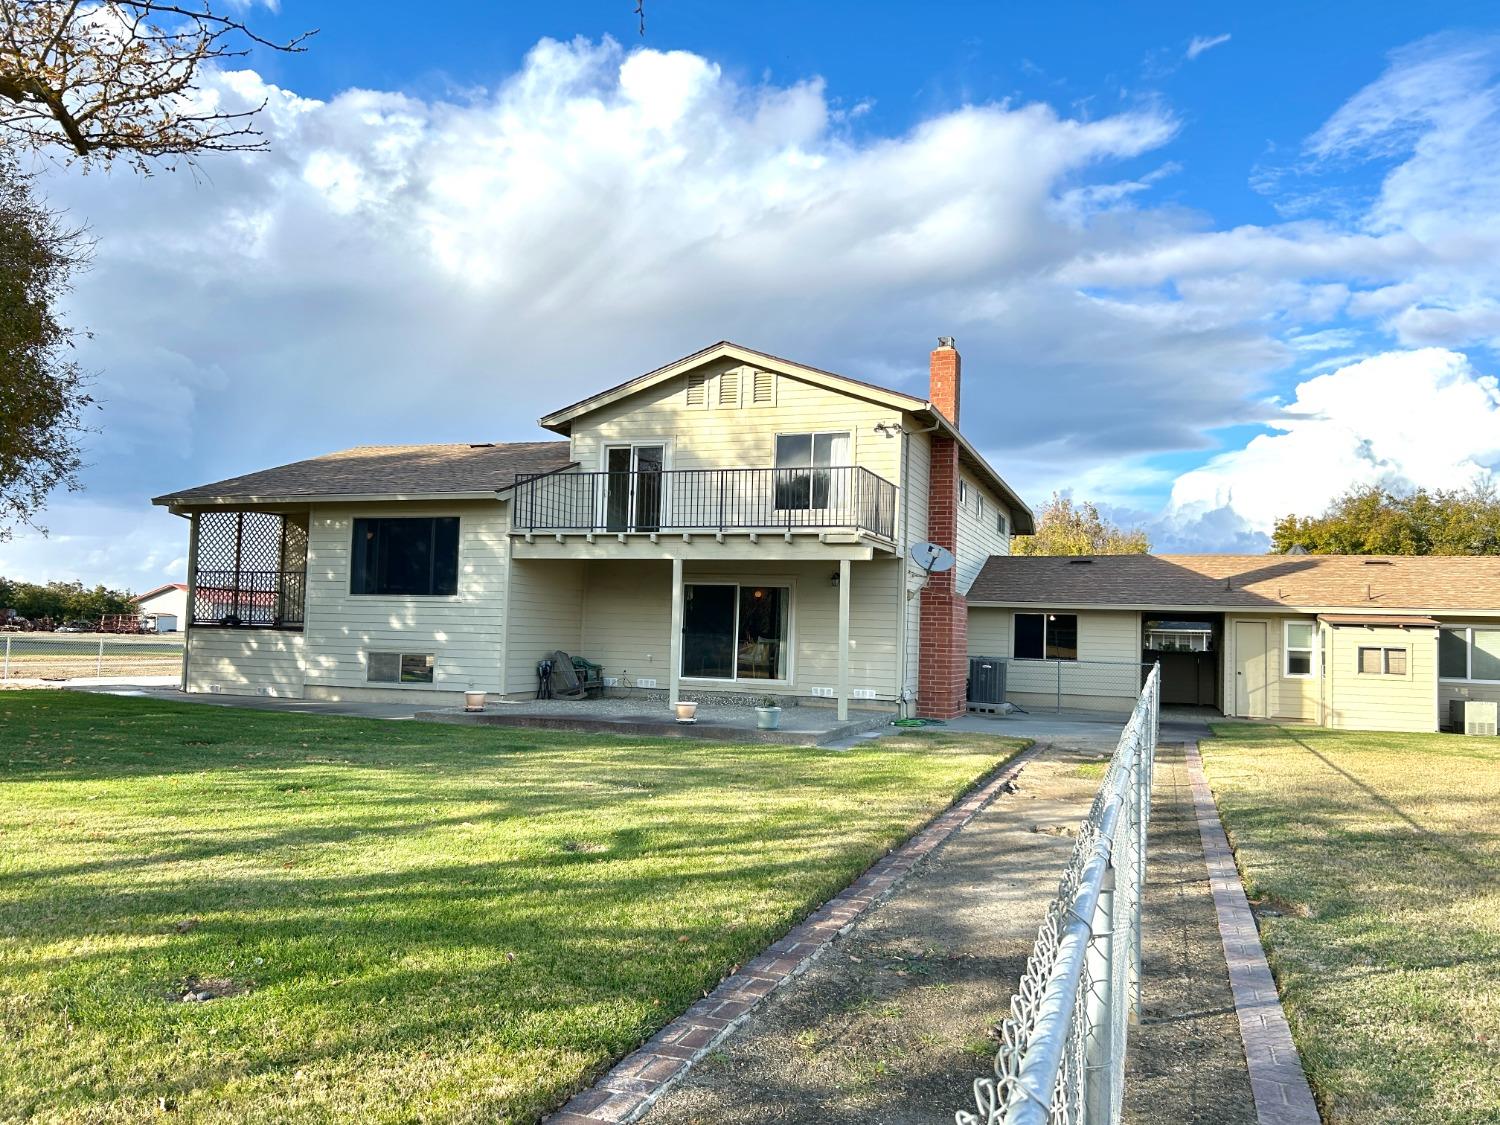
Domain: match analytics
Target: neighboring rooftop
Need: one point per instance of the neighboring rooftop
(1372, 584)
(159, 590)
(384, 472)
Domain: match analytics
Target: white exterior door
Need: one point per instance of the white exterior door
(1250, 691)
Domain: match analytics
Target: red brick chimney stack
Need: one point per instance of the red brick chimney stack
(945, 378)
(944, 647)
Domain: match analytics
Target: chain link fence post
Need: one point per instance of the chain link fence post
(6, 677)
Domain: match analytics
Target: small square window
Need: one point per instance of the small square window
(1395, 662)
(1000, 524)
(1382, 661)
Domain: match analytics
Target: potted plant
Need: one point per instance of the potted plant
(768, 713)
(473, 701)
(687, 710)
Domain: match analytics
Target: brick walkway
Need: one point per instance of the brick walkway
(642, 1077)
(1282, 1095)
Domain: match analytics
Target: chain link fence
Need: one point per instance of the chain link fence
(69, 656)
(1065, 685)
(1061, 1059)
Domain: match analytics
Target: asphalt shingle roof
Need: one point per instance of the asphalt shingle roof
(386, 470)
(1369, 583)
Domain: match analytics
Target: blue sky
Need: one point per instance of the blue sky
(1206, 265)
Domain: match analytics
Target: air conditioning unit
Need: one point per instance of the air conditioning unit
(1474, 717)
(986, 680)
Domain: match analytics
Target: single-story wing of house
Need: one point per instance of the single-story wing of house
(1358, 642)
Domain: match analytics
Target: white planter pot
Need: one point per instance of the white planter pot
(768, 718)
(686, 712)
(473, 701)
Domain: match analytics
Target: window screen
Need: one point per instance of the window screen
(405, 556)
(384, 667)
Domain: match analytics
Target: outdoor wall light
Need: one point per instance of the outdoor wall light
(834, 579)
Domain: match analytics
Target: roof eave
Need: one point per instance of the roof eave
(1023, 519)
(191, 502)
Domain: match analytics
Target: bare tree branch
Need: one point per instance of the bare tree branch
(120, 77)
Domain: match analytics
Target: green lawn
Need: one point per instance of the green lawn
(413, 922)
(1381, 854)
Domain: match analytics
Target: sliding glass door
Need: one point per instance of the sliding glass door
(735, 632)
(632, 500)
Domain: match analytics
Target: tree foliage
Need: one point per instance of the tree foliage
(43, 396)
(1066, 528)
(1379, 521)
(63, 601)
(120, 78)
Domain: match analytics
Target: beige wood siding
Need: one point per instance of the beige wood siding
(1106, 676)
(978, 534)
(1287, 697)
(627, 615)
(735, 437)
(463, 632)
(1364, 701)
(915, 493)
(546, 600)
(245, 662)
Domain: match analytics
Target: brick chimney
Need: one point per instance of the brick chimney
(943, 675)
(944, 387)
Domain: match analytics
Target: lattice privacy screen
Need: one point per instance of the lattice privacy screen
(251, 569)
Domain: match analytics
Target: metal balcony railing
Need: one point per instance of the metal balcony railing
(265, 598)
(708, 500)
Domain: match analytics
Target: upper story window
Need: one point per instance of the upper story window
(963, 492)
(811, 458)
(1002, 525)
(1046, 636)
(407, 556)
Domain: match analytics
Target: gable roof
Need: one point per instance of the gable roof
(384, 472)
(149, 594)
(1022, 520)
(1363, 583)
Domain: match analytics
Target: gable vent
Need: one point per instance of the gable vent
(697, 389)
(729, 388)
(763, 388)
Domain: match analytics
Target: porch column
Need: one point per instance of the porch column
(674, 648)
(192, 598)
(843, 638)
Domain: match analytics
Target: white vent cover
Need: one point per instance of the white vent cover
(729, 388)
(697, 389)
(1473, 716)
(763, 388)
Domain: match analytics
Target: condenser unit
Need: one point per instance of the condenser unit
(986, 681)
(1474, 717)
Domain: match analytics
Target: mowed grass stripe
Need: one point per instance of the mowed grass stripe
(1376, 860)
(417, 922)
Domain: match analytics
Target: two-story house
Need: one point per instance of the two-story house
(729, 522)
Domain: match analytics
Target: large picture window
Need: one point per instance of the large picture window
(1469, 654)
(735, 632)
(1046, 636)
(811, 455)
(405, 556)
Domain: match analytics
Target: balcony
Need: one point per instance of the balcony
(846, 498)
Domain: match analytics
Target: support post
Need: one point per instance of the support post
(1099, 1047)
(99, 664)
(844, 584)
(192, 597)
(5, 677)
(674, 653)
(1059, 685)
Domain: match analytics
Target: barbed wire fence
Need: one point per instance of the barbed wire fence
(1061, 1059)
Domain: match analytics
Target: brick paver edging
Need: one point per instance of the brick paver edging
(1282, 1095)
(637, 1080)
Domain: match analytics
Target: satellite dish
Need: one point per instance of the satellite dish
(934, 558)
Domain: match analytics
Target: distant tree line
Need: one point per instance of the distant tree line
(1379, 521)
(62, 601)
(1067, 528)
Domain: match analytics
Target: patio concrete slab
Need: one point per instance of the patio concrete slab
(719, 722)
